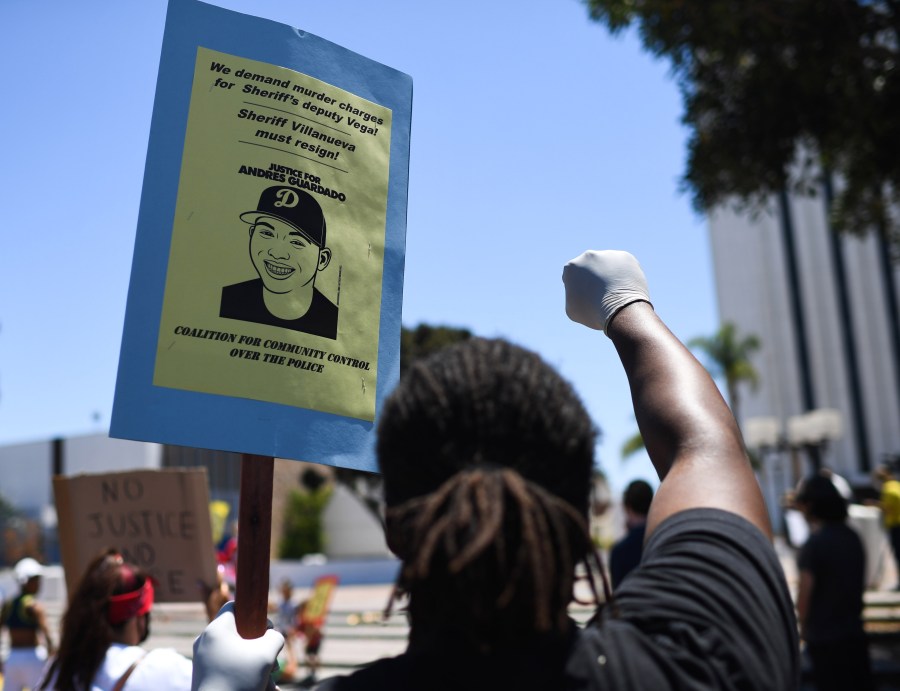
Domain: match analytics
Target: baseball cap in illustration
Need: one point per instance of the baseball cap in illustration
(294, 207)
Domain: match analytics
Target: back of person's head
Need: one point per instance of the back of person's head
(883, 473)
(111, 592)
(821, 500)
(638, 496)
(486, 454)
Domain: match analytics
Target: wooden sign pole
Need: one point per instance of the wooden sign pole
(251, 598)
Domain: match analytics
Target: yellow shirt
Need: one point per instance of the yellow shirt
(890, 503)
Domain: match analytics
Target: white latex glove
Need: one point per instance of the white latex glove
(223, 661)
(600, 283)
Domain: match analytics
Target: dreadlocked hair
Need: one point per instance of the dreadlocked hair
(86, 631)
(487, 455)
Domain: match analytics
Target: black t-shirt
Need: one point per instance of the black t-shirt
(625, 555)
(835, 557)
(245, 301)
(708, 608)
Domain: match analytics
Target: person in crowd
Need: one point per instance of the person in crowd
(26, 621)
(107, 619)
(226, 556)
(832, 565)
(311, 630)
(214, 597)
(890, 506)
(286, 615)
(487, 453)
(625, 554)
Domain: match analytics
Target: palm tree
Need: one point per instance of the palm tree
(727, 356)
(632, 445)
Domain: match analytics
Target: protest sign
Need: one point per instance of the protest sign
(157, 519)
(315, 610)
(267, 275)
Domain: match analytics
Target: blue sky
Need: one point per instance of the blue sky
(536, 135)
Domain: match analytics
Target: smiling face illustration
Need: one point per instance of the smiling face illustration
(284, 258)
(287, 250)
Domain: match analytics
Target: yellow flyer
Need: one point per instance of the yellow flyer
(273, 286)
(264, 307)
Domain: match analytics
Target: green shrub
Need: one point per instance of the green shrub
(303, 529)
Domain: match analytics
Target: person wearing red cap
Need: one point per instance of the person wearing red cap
(107, 619)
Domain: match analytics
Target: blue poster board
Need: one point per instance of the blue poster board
(266, 132)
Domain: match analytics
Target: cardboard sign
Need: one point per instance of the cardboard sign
(157, 519)
(268, 268)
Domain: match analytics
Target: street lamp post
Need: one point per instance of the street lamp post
(810, 432)
(813, 431)
(764, 435)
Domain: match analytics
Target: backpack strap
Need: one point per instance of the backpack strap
(120, 684)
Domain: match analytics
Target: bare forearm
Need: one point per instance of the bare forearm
(45, 631)
(688, 430)
(677, 405)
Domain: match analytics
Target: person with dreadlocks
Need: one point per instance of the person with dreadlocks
(486, 454)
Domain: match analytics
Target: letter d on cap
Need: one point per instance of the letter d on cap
(286, 198)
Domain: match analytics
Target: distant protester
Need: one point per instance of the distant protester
(312, 633)
(832, 564)
(625, 555)
(890, 507)
(107, 619)
(285, 611)
(25, 620)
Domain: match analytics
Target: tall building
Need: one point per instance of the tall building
(825, 308)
